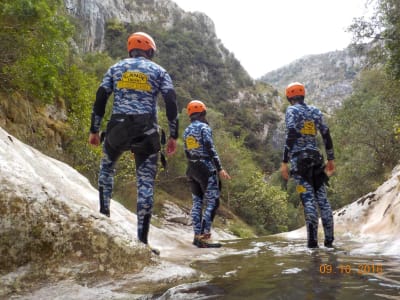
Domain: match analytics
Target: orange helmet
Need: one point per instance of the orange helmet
(295, 89)
(195, 106)
(142, 41)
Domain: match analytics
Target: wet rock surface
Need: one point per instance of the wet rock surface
(52, 236)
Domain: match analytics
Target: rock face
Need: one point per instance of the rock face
(94, 14)
(328, 77)
(374, 218)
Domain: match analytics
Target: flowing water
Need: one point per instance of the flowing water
(274, 268)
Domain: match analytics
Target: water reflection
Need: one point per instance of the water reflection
(271, 268)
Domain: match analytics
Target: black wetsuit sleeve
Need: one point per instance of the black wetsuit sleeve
(326, 136)
(171, 108)
(99, 106)
(99, 109)
(217, 163)
(291, 137)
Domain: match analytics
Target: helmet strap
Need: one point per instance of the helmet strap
(200, 116)
(296, 99)
(137, 53)
(150, 53)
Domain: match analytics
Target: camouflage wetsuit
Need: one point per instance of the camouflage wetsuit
(135, 83)
(307, 166)
(203, 165)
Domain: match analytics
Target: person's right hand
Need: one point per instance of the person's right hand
(330, 168)
(94, 139)
(224, 174)
(171, 146)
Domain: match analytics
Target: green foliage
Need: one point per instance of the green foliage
(262, 205)
(390, 10)
(295, 214)
(363, 130)
(34, 47)
(38, 61)
(383, 25)
(79, 90)
(96, 64)
(241, 231)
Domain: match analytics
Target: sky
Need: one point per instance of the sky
(265, 35)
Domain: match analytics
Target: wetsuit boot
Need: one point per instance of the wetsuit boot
(204, 241)
(312, 242)
(144, 232)
(103, 210)
(328, 228)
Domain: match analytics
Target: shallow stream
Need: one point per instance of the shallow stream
(274, 268)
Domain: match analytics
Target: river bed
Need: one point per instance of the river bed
(276, 268)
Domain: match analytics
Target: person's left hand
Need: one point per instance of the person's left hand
(285, 171)
(171, 146)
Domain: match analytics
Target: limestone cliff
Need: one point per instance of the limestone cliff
(328, 77)
(94, 14)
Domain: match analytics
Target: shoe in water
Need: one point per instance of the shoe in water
(204, 241)
(312, 244)
(328, 244)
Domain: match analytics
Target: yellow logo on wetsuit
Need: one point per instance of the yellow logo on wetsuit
(134, 81)
(191, 143)
(309, 128)
(300, 189)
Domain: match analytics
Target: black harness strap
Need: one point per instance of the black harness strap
(310, 166)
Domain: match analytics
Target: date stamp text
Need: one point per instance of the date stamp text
(362, 269)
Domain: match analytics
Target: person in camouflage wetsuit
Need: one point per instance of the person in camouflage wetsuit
(135, 81)
(204, 166)
(307, 164)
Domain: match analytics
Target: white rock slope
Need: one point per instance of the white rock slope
(51, 230)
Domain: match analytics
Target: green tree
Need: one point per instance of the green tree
(366, 128)
(34, 45)
(383, 26)
(262, 205)
(365, 137)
